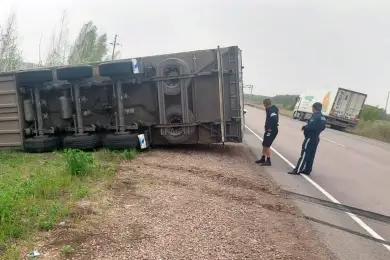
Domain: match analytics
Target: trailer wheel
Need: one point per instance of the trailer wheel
(173, 67)
(295, 115)
(121, 141)
(75, 72)
(302, 116)
(35, 76)
(81, 142)
(113, 69)
(176, 135)
(41, 144)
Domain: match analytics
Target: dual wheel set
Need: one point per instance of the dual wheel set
(80, 140)
(88, 142)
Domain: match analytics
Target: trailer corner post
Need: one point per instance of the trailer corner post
(121, 116)
(39, 110)
(220, 90)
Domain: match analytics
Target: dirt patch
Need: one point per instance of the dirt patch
(188, 204)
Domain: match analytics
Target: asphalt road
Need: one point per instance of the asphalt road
(352, 169)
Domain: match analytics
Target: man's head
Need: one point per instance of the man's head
(317, 107)
(267, 102)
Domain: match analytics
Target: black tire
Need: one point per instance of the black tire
(173, 67)
(41, 144)
(338, 128)
(81, 142)
(302, 116)
(75, 72)
(115, 69)
(34, 76)
(177, 137)
(295, 115)
(121, 141)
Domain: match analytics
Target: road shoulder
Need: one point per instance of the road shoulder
(193, 204)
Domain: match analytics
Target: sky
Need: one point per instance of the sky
(288, 45)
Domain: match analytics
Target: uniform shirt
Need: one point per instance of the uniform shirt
(315, 125)
(272, 119)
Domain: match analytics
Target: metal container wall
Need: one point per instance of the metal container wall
(203, 77)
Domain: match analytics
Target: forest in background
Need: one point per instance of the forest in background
(89, 46)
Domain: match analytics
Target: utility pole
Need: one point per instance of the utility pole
(387, 103)
(251, 90)
(115, 43)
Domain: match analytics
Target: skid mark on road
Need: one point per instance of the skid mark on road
(360, 222)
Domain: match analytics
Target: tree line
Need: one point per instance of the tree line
(88, 47)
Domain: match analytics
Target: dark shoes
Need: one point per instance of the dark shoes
(294, 172)
(266, 163)
(262, 160)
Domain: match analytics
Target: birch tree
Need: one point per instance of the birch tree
(59, 46)
(89, 46)
(10, 54)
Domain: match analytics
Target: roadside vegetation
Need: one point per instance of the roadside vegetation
(373, 123)
(38, 190)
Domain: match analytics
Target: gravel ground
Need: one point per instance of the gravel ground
(188, 204)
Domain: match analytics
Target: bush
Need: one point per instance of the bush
(129, 154)
(78, 162)
(379, 130)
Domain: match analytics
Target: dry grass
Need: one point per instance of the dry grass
(187, 204)
(379, 130)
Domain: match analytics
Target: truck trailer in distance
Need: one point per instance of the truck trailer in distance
(340, 106)
(180, 98)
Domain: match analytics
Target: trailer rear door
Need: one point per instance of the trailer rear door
(355, 105)
(341, 103)
(10, 121)
(348, 104)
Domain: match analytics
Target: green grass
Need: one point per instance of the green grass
(67, 250)
(379, 130)
(129, 154)
(37, 190)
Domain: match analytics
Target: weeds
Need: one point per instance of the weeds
(379, 130)
(67, 250)
(37, 190)
(79, 162)
(129, 154)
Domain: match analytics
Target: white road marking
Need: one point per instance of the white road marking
(333, 142)
(327, 194)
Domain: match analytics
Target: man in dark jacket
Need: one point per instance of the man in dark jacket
(312, 133)
(271, 131)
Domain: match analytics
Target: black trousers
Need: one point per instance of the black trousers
(308, 152)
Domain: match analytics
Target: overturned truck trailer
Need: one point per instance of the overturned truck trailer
(182, 98)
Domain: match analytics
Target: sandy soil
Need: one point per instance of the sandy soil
(187, 204)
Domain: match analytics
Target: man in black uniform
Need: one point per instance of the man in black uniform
(312, 133)
(271, 131)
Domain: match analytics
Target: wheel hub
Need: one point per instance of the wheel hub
(178, 130)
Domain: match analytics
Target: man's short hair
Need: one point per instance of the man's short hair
(267, 102)
(317, 106)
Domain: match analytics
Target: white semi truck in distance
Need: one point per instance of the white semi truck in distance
(340, 106)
